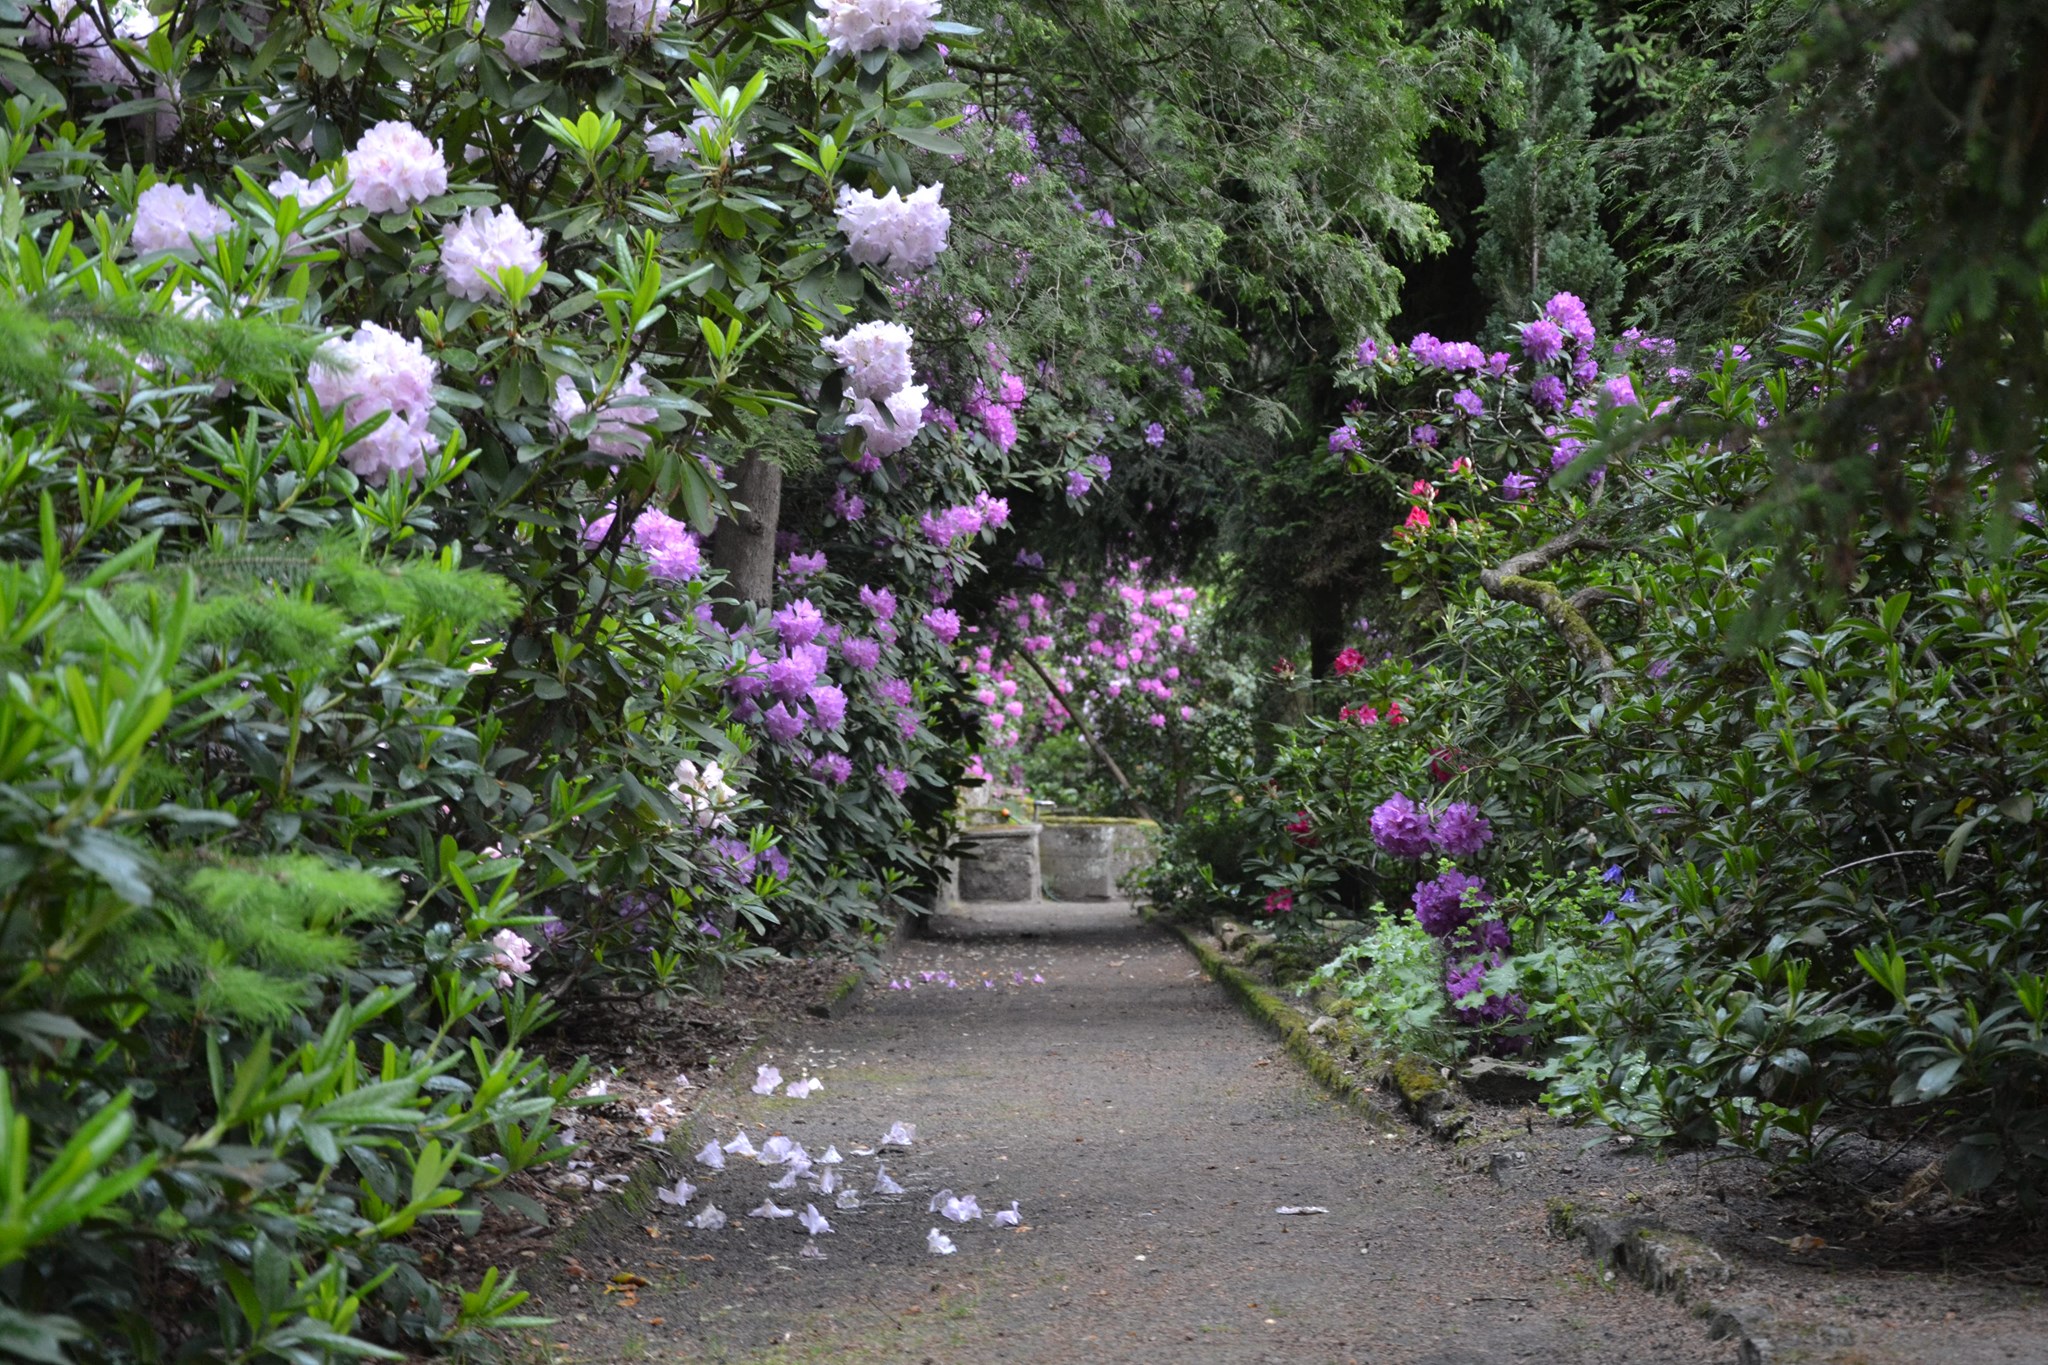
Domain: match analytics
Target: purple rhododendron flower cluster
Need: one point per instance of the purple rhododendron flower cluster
(1446, 903)
(1461, 831)
(1400, 828)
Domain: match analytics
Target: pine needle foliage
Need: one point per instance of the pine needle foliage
(249, 942)
(54, 350)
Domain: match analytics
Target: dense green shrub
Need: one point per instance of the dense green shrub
(1813, 811)
(348, 738)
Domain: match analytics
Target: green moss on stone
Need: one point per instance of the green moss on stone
(1417, 1078)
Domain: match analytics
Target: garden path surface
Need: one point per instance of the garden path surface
(1149, 1132)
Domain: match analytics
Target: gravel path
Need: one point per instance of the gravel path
(1148, 1132)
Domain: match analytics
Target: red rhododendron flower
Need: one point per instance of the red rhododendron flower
(1347, 663)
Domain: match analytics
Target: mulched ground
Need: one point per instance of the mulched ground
(1148, 1133)
(642, 1054)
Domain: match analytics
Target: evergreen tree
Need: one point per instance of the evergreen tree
(1542, 208)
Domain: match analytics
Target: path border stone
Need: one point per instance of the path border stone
(1657, 1258)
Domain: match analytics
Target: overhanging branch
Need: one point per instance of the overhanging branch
(1511, 582)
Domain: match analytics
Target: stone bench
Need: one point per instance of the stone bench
(1062, 858)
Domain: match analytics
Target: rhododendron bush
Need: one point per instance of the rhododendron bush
(1093, 693)
(517, 467)
(1727, 879)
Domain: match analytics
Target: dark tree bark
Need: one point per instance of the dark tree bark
(743, 545)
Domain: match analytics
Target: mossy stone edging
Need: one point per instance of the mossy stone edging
(1675, 1263)
(1277, 1015)
(1662, 1261)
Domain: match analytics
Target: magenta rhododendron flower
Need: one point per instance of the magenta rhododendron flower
(943, 623)
(828, 706)
(880, 601)
(782, 723)
(1347, 662)
(1619, 392)
(1568, 313)
(1542, 340)
(799, 622)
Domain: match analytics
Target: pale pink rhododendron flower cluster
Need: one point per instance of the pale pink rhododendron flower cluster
(618, 431)
(172, 217)
(482, 243)
(308, 194)
(378, 371)
(886, 435)
(666, 150)
(852, 27)
(81, 31)
(703, 792)
(536, 36)
(637, 18)
(902, 236)
(512, 954)
(876, 358)
(394, 167)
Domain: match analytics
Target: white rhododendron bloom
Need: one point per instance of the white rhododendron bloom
(703, 792)
(637, 17)
(309, 194)
(536, 35)
(857, 26)
(395, 167)
(899, 235)
(512, 954)
(665, 151)
(171, 218)
(618, 432)
(876, 358)
(378, 371)
(887, 435)
(481, 244)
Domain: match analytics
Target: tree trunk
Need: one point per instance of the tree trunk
(743, 545)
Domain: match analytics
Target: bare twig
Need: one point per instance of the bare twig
(1094, 744)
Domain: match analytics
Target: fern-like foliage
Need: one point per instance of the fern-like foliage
(249, 942)
(52, 351)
